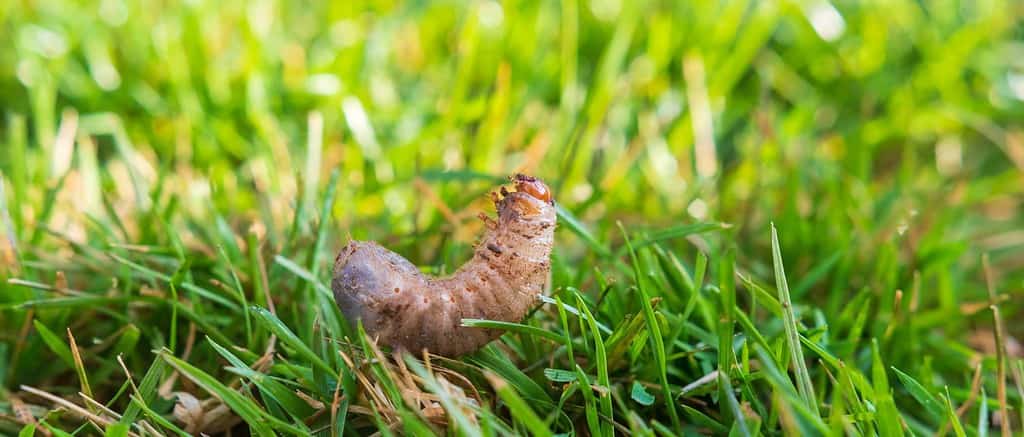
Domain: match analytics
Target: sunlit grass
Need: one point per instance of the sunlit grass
(175, 181)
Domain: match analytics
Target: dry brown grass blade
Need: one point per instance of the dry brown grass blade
(373, 399)
(96, 418)
(97, 406)
(373, 393)
(209, 416)
(80, 366)
(135, 389)
(127, 374)
(24, 414)
(467, 404)
(971, 397)
(1004, 410)
(975, 391)
(464, 383)
(265, 361)
(313, 403)
(144, 425)
(1000, 332)
(60, 284)
(335, 407)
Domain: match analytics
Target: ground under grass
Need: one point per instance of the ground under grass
(774, 218)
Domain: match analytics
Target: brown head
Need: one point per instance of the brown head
(534, 187)
(531, 198)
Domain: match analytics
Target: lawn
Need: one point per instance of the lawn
(774, 218)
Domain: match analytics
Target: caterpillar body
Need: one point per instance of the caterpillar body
(406, 309)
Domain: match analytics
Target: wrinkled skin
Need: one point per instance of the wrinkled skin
(406, 309)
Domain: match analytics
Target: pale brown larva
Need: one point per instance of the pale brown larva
(406, 309)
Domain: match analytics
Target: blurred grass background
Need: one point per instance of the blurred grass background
(167, 165)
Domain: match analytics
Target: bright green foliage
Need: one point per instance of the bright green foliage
(176, 179)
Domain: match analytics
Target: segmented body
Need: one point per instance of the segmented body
(406, 309)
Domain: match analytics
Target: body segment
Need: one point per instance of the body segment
(407, 309)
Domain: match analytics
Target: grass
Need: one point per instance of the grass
(773, 215)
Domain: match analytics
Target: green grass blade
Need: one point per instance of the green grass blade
(888, 420)
(517, 406)
(518, 328)
(569, 220)
(271, 323)
(605, 400)
(156, 417)
(655, 333)
(589, 401)
(958, 428)
(268, 386)
(734, 405)
(146, 393)
(56, 345)
(803, 377)
(930, 403)
(259, 421)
